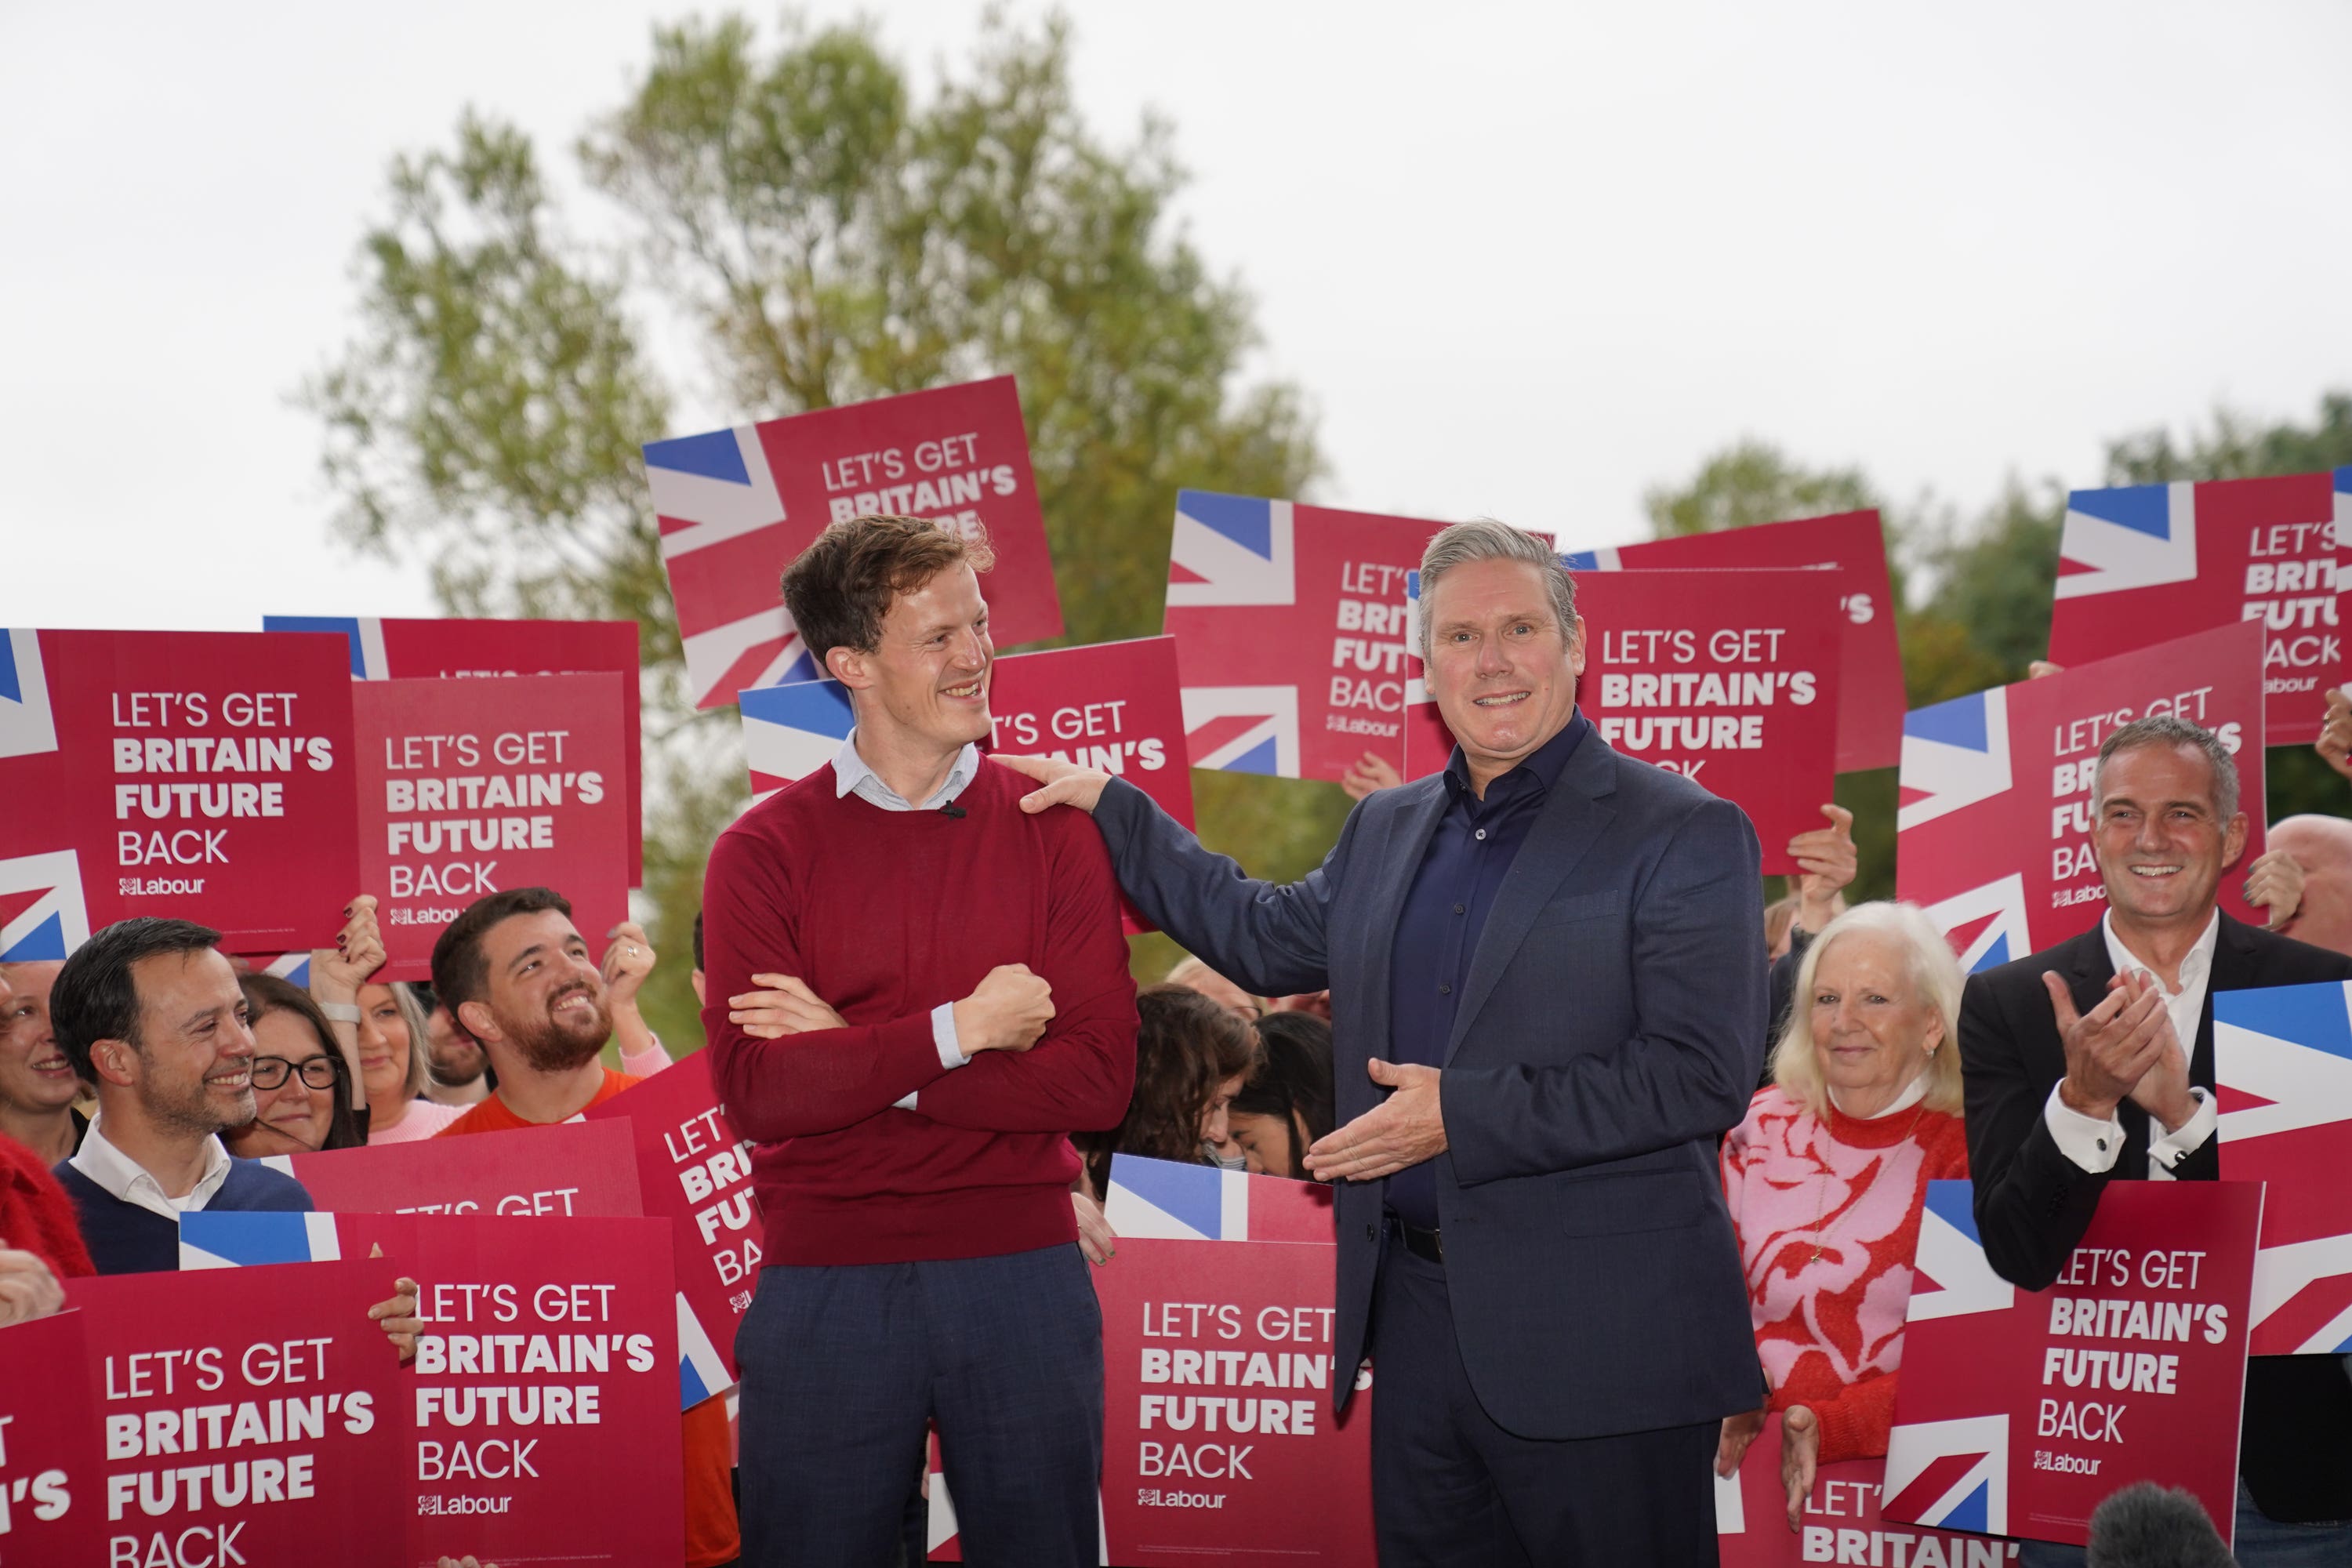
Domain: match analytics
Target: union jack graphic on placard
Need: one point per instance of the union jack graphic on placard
(2137, 536)
(1950, 1473)
(1949, 1275)
(294, 968)
(1232, 550)
(790, 731)
(365, 634)
(1954, 754)
(42, 914)
(2282, 1061)
(1986, 925)
(1243, 729)
(28, 725)
(1178, 1201)
(722, 527)
(251, 1238)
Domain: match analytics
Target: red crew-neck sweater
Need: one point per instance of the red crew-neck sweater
(886, 915)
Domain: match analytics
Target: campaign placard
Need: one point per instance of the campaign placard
(736, 506)
(571, 1169)
(51, 1494)
(471, 649)
(207, 776)
(1113, 706)
(245, 1419)
(2004, 868)
(1870, 681)
(1842, 1522)
(1731, 679)
(2282, 1083)
(471, 787)
(2143, 563)
(1222, 1288)
(2019, 1410)
(1289, 627)
(695, 1171)
(541, 1387)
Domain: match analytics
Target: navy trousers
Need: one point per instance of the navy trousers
(1452, 1488)
(844, 1365)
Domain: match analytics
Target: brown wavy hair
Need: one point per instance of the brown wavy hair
(1185, 1048)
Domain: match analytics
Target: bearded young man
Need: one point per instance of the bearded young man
(958, 1002)
(516, 976)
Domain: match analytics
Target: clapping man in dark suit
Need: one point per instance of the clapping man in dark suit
(2093, 1062)
(1548, 1003)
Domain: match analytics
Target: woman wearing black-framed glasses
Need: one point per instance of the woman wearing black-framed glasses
(301, 1085)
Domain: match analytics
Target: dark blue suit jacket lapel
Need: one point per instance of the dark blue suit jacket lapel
(1575, 814)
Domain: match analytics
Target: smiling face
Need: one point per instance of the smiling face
(923, 687)
(35, 1076)
(294, 1117)
(546, 999)
(2162, 843)
(1873, 1027)
(191, 1069)
(1503, 676)
(383, 1045)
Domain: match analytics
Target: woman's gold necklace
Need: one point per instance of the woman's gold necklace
(1821, 1209)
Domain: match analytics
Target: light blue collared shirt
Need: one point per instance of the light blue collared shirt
(852, 776)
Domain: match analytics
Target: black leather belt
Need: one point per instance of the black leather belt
(1428, 1244)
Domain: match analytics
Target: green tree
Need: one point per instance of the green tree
(820, 233)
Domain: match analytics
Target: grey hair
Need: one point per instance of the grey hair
(1483, 539)
(2169, 730)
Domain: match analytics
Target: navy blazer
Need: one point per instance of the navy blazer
(1611, 1029)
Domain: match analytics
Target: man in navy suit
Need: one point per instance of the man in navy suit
(1547, 1005)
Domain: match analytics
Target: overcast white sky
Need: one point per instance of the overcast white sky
(1527, 259)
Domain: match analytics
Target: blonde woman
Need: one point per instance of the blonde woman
(1827, 1177)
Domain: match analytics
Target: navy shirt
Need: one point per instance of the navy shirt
(1445, 910)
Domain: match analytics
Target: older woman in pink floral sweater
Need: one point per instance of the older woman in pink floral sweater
(1827, 1177)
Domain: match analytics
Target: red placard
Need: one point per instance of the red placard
(1729, 677)
(1289, 624)
(736, 506)
(695, 1171)
(2019, 1411)
(207, 776)
(2144, 564)
(251, 1415)
(52, 1491)
(1840, 1521)
(571, 1169)
(470, 787)
(1870, 688)
(386, 649)
(1993, 831)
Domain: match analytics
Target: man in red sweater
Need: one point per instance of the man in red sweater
(961, 1006)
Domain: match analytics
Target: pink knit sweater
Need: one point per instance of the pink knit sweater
(1829, 1328)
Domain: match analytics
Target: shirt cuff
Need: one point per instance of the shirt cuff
(943, 1036)
(2166, 1151)
(2089, 1142)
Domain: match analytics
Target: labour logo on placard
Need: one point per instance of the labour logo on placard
(2283, 1066)
(27, 728)
(1954, 754)
(714, 493)
(2138, 536)
(42, 915)
(365, 634)
(790, 731)
(1232, 550)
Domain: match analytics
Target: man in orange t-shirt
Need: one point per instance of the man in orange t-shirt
(516, 975)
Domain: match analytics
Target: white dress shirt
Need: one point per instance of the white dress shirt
(852, 776)
(122, 1178)
(2096, 1145)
